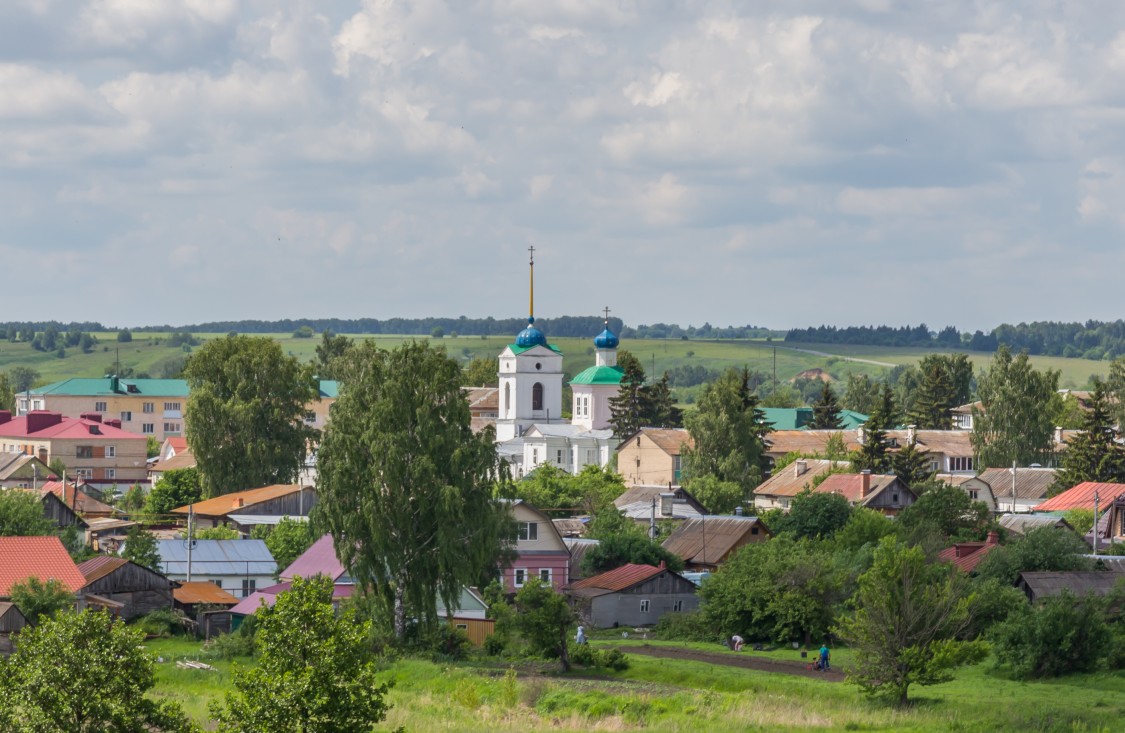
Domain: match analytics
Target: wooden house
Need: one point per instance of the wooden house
(540, 550)
(1040, 585)
(138, 589)
(632, 595)
(274, 502)
(707, 542)
(885, 494)
(11, 621)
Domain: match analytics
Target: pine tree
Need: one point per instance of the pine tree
(629, 409)
(826, 411)
(1092, 455)
(934, 399)
(663, 412)
(911, 466)
(873, 453)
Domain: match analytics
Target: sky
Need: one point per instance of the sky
(771, 163)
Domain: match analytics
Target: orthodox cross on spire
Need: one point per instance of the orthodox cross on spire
(531, 292)
(606, 310)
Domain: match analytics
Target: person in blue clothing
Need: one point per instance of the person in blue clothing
(822, 660)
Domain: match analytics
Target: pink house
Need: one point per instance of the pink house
(541, 552)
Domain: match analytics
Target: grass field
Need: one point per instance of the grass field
(149, 353)
(674, 695)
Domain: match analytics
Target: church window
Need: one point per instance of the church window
(507, 398)
(537, 396)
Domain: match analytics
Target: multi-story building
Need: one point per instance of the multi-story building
(146, 406)
(95, 451)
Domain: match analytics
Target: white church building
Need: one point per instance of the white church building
(530, 429)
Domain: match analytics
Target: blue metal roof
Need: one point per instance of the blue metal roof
(216, 557)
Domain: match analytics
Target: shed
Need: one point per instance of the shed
(707, 542)
(1040, 585)
(138, 589)
(1021, 524)
(280, 500)
(632, 595)
(239, 566)
(11, 621)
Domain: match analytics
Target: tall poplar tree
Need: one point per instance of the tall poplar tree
(826, 411)
(406, 487)
(1013, 423)
(729, 433)
(1093, 454)
(245, 417)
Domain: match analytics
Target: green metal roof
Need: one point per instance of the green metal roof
(329, 388)
(517, 349)
(798, 418)
(85, 387)
(599, 375)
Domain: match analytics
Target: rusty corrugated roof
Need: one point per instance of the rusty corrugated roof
(721, 533)
(98, 567)
(1082, 497)
(229, 503)
(202, 592)
(620, 578)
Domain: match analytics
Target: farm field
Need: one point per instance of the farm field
(670, 694)
(149, 353)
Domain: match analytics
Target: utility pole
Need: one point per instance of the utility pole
(652, 521)
(190, 538)
(1095, 522)
(775, 367)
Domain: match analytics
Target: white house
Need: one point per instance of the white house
(239, 567)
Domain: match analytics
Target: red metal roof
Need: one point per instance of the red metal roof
(36, 557)
(1082, 497)
(620, 578)
(966, 556)
(67, 427)
(319, 559)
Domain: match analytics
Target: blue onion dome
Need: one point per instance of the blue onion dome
(531, 336)
(606, 340)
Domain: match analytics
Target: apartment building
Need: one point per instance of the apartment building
(145, 406)
(100, 453)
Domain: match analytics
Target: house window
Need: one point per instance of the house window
(99, 407)
(545, 575)
(310, 418)
(463, 627)
(111, 473)
(219, 583)
(534, 457)
(84, 473)
(248, 586)
(558, 457)
(171, 406)
(644, 605)
(149, 408)
(84, 451)
(537, 396)
(961, 463)
(677, 606)
(974, 494)
(126, 416)
(529, 531)
(521, 577)
(894, 498)
(171, 427)
(753, 530)
(111, 451)
(147, 428)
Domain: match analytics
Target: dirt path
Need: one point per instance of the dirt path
(841, 357)
(731, 659)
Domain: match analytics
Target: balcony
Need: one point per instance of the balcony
(173, 414)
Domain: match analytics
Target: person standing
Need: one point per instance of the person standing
(825, 654)
(581, 637)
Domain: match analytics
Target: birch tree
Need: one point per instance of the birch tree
(406, 487)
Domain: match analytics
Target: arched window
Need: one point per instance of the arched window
(507, 405)
(537, 396)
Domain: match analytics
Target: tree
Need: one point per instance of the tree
(873, 452)
(782, 590)
(38, 600)
(328, 351)
(547, 487)
(124, 336)
(911, 466)
(1062, 635)
(815, 515)
(945, 384)
(862, 394)
(23, 378)
(629, 547)
(86, 673)
(864, 527)
(213, 533)
(1044, 549)
(906, 624)
(1115, 391)
(405, 486)
(304, 332)
(176, 488)
(948, 510)
(719, 497)
(1013, 423)
(140, 547)
(662, 410)
(543, 618)
(315, 671)
(288, 540)
(826, 411)
(7, 393)
(21, 515)
(245, 417)
(437, 332)
(1093, 454)
(481, 372)
(629, 409)
(57, 466)
(729, 433)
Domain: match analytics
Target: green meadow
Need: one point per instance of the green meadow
(150, 353)
(677, 695)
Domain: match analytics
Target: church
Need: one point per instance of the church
(530, 428)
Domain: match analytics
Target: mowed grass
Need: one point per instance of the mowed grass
(687, 696)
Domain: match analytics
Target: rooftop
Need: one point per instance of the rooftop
(850, 485)
(1082, 497)
(723, 534)
(1030, 483)
(238, 501)
(199, 591)
(44, 558)
(98, 567)
(216, 557)
(599, 375)
(669, 440)
(319, 559)
(87, 387)
(620, 578)
(46, 425)
(794, 478)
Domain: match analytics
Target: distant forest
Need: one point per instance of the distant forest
(1090, 340)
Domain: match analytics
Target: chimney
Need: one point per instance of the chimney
(666, 504)
(115, 423)
(864, 483)
(91, 416)
(860, 435)
(239, 503)
(662, 565)
(738, 511)
(993, 537)
(1058, 435)
(42, 419)
(800, 468)
(5, 416)
(911, 434)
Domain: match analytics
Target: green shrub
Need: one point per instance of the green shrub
(685, 626)
(587, 656)
(494, 645)
(229, 646)
(1062, 635)
(163, 623)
